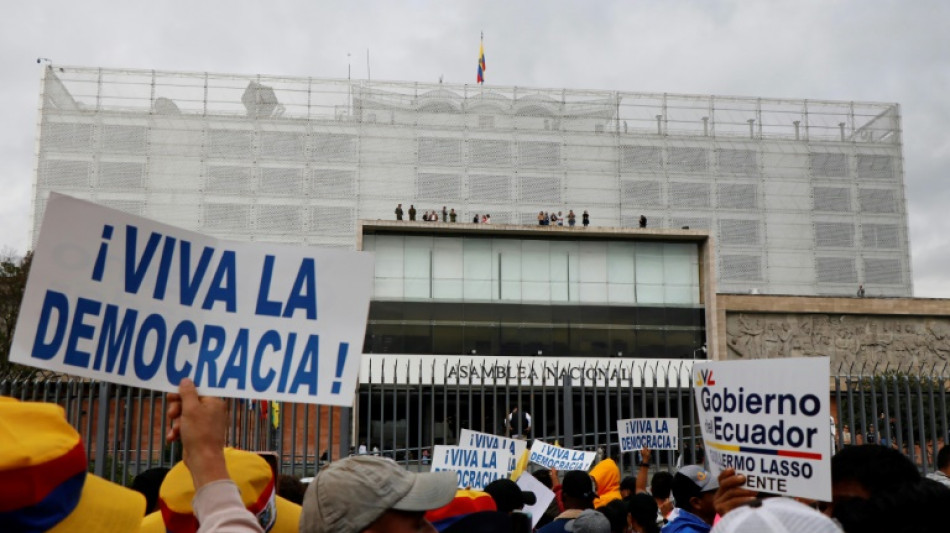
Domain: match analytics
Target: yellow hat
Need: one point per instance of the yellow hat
(44, 485)
(254, 479)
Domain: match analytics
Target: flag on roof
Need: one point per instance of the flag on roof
(481, 61)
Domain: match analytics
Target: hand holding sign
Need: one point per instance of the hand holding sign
(767, 419)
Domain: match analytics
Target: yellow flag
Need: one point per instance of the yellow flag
(521, 466)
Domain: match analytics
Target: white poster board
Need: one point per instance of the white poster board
(543, 495)
(768, 419)
(563, 459)
(120, 298)
(475, 467)
(487, 441)
(653, 433)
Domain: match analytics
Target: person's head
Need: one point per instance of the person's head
(373, 494)
(661, 484)
(616, 513)
(291, 488)
(776, 515)
(918, 507)
(643, 510)
(694, 489)
(860, 472)
(46, 486)
(544, 476)
(508, 495)
(589, 521)
(148, 482)
(577, 490)
(628, 486)
(255, 482)
(943, 459)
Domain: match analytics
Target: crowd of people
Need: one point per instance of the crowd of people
(545, 218)
(46, 487)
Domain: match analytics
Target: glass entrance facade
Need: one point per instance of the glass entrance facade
(512, 294)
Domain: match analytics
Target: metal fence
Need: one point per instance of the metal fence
(124, 427)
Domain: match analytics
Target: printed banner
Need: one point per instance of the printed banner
(563, 459)
(487, 441)
(476, 467)
(124, 299)
(654, 433)
(768, 419)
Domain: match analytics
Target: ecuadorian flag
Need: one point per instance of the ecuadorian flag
(481, 62)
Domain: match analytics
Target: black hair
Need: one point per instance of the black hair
(917, 507)
(876, 468)
(661, 485)
(684, 490)
(629, 483)
(290, 488)
(616, 513)
(644, 511)
(148, 482)
(943, 457)
(544, 476)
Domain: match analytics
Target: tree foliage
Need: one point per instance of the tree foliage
(13, 274)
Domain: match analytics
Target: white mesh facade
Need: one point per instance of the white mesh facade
(802, 197)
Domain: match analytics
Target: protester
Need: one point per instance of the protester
(373, 495)
(148, 483)
(508, 495)
(644, 513)
(470, 511)
(589, 521)
(201, 424)
(694, 491)
(291, 488)
(628, 487)
(618, 516)
(518, 424)
(45, 484)
(775, 515)
(257, 490)
(940, 475)
(865, 471)
(576, 495)
(606, 475)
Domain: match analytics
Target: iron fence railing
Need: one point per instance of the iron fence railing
(124, 427)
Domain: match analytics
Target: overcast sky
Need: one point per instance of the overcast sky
(868, 50)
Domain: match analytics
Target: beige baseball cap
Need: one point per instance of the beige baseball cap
(352, 493)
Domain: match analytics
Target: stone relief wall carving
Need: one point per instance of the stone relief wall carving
(847, 339)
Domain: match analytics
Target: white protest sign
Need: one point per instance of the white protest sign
(563, 459)
(476, 467)
(477, 439)
(768, 419)
(544, 495)
(654, 433)
(121, 298)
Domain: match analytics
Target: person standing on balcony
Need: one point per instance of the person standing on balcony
(398, 211)
(519, 424)
(412, 212)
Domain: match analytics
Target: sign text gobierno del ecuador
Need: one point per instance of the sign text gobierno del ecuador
(768, 419)
(121, 298)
